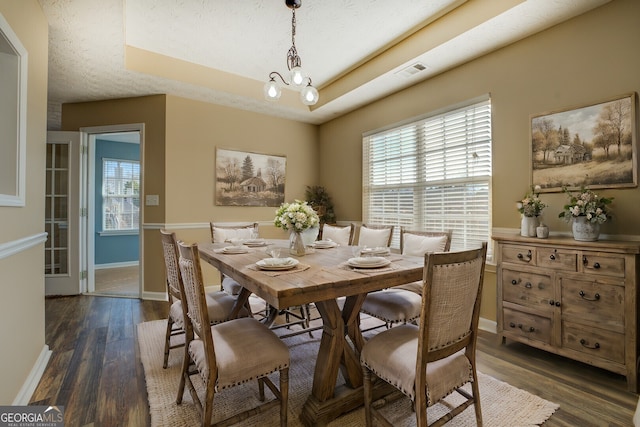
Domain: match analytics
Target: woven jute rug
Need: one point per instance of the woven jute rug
(502, 404)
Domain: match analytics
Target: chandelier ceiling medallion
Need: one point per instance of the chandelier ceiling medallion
(297, 77)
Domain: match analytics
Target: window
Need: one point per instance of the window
(120, 194)
(432, 174)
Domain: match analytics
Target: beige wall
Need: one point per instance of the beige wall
(22, 273)
(181, 137)
(587, 59)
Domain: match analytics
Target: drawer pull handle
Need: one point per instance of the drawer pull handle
(514, 282)
(556, 303)
(528, 285)
(528, 256)
(513, 325)
(596, 297)
(525, 329)
(583, 342)
(552, 257)
(596, 265)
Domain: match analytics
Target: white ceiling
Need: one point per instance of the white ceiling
(352, 49)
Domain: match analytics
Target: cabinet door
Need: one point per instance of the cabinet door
(593, 300)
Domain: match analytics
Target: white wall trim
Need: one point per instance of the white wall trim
(116, 265)
(11, 248)
(155, 296)
(29, 386)
(488, 325)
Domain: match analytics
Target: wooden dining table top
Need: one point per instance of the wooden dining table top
(320, 275)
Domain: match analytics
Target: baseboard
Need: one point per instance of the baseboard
(116, 265)
(488, 325)
(155, 296)
(29, 386)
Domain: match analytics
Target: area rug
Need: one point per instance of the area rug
(502, 404)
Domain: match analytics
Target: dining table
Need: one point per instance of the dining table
(323, 276)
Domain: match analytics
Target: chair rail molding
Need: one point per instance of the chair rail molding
(8, 249)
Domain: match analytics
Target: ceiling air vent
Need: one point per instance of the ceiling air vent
(411, 70)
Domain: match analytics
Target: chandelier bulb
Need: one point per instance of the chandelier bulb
(309, 95)
(272, 90)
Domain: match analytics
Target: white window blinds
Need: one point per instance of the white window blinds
(432, 174)
(120, 194)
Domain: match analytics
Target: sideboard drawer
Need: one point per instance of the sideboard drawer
(557, 259)
(519, 254)
(527, 325)
(529, 289)
(596, 263)
(593, 341)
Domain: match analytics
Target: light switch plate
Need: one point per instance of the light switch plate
(152, 200)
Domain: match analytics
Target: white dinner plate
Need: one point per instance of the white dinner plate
(368, 262)
(324, 244)
(376, 251)
(277, 263)
(255, 242)
(235, 250)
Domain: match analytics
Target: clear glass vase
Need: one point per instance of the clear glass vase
(296, 244)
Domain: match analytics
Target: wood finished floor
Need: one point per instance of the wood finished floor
(96, 373)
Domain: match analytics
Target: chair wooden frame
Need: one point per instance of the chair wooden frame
(234, 334)
(434, 343)
(176, 318)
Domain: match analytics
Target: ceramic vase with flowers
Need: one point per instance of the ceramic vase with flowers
(586, 210)
(296, 217)
(531, 208)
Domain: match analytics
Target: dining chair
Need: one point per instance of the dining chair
(339, 234)
(375, 235)
(222, 232)
(227, 354)
(402, 304)
(220, 303)
(428, 362)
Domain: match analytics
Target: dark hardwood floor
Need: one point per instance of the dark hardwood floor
(96, 373)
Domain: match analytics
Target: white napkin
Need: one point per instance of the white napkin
(276, 262)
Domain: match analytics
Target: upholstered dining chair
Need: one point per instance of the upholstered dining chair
(220, 304)
(223, 232)
(227, 354)
(339, 234)
(430, 361)
(375, 235)
(402, 304)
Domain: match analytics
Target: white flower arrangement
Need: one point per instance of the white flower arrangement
(588, 204)
(531, 205)
(296, 216)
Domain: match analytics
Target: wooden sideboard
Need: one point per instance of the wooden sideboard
(576, 299)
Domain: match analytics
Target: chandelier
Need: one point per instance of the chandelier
(297, 78)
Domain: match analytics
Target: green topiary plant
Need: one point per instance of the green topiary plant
(320, 200)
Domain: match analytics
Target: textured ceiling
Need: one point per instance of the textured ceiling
(352, 49)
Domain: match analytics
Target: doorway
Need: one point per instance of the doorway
(93, 214)
(114, 212)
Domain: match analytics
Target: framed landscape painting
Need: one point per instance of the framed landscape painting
(249, 179)
(592, 146)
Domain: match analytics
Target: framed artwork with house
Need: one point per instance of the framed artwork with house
(593, 146)
(249, 179)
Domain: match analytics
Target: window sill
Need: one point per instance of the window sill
(107, 233)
